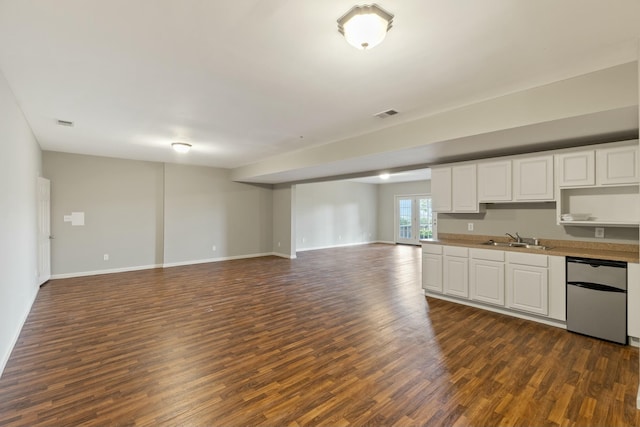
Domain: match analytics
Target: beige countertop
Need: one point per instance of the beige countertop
(609, 251)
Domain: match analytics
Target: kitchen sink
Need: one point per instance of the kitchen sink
(515, 245)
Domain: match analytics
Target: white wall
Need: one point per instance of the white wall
(122, 202)
(386, 204)
(204, 208)
(20, 164)
(335, 213)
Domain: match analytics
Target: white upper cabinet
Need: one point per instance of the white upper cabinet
(454, 189)
(576, 169)
(603, 166)
(441, 189)
(602, 183)
(464, 189)
(533, 178)
(494, 181)
(616, 166)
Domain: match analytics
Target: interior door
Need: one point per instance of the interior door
(44, 230)
(414, 219)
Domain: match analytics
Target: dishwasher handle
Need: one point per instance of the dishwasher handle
(597, 262)
(597, 287)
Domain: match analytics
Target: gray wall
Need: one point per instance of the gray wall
(204, 208)
(335, 213)
(386, 204)
(145, 214)
(529, 220)
(20, 164)
(122, 202)
(284, 221)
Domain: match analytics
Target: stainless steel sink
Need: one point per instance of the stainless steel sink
(515, 245)
(492, 243)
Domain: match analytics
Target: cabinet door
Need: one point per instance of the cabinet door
(533, 178)
(617, 165)
(464, 186)
(456, 276)
(432, 272)
(494, 181)
(441, 190)
(486, 279)
(558, 288)
(633, 299)
(527, 288)
(576, 169)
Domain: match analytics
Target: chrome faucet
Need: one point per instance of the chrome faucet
(517, 238)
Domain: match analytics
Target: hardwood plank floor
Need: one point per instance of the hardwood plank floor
(336, 337)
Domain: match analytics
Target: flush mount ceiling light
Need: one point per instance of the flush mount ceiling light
(181, 147)
(365, 26)
(384, 175)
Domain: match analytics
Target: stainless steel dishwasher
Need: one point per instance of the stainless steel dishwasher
(597, 298)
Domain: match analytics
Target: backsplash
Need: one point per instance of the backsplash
(529, 220)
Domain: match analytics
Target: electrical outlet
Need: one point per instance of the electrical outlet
(106, 257)
(600, 232)
(304, 239)
(470, 226)
(214, 248)
(278, 244)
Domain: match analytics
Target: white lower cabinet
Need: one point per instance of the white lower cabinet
(518, 281)
(557, 287)
(528, 282)
(486, 276)
(432, 268)
(455, 269)
(633, 299)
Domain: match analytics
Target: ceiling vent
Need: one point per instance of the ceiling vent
(65, 123)
(385, 114)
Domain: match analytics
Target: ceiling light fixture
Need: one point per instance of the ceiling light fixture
(385, 175)
(364, 27)
(181, 147)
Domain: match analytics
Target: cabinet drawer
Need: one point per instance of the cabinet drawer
(527, 259)
(432, 249)
(456, 251)
(488, 254)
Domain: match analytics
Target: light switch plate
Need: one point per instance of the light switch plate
(600, 232)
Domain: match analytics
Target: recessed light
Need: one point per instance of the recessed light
(385, 175)
(181, 147)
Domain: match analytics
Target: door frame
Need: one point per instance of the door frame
(415, 220)
(44, 230)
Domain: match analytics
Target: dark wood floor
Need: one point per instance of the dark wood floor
(336, 337)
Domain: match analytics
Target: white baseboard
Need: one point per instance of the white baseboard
(547, 321)
(165, 265)
(315, 248)
(228, 258)
(108, 271)
(385, 242)
(278, 254)
(14, 341)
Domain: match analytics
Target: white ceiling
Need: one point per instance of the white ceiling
(245, 80)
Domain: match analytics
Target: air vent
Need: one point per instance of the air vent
(385, 114)
(65, 123)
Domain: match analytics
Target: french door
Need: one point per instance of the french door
(414, 219)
